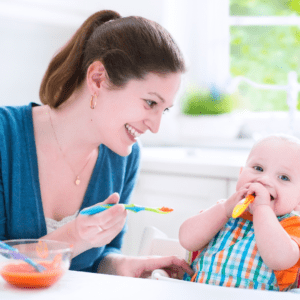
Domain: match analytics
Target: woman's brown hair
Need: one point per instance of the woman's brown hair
(129, 48)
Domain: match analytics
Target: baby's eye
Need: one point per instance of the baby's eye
(151, 103)
(258, 168)
(284, 178)
(166, 110)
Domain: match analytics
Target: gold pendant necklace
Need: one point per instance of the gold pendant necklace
(77, 180)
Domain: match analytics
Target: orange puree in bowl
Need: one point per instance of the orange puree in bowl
(24, 275)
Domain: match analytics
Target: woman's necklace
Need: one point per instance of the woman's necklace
(77, 180)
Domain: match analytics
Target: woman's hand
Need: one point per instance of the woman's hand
(100, 229)
(143, 266)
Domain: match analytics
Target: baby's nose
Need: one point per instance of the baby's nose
(264, 180)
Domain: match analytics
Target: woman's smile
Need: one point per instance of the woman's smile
(132, 132)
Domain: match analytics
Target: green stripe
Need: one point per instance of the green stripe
(238, 282)
(201, 263)
(216, 238)
(259, 265)
(248, 228)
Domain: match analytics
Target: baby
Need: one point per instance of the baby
(259, 249)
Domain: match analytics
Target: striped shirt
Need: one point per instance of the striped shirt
(232, 259)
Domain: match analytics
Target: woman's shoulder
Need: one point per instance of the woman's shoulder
(15, 127)
(11, 118)
(13, 114)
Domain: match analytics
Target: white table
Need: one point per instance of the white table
(87, 286)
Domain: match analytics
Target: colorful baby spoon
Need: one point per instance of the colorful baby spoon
(15, 254)
(135, 208)
(242, 206)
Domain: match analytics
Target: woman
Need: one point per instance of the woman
(108, 85)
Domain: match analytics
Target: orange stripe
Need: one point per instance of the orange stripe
(202, 277)
(228, 283)
(251, 260)
(219, 261)
(194, 277)
(237, 233)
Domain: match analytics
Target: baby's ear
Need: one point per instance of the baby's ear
(241, 169)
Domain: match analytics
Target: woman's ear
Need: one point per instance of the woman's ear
(96, 76)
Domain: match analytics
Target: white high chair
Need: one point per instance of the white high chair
(156, 242)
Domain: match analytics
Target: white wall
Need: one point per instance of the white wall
(26, 49)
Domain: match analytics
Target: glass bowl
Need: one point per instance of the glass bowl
(34, 263)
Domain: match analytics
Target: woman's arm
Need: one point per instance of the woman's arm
(142, 266)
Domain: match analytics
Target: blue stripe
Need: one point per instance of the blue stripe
(272, 279)
(244, 255)
(221, 247)
(223, 274)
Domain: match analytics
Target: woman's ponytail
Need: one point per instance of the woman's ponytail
(65, 72)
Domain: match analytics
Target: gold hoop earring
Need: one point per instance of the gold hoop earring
(93, 103)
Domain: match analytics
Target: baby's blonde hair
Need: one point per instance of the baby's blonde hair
(289, 138)
(280, 136)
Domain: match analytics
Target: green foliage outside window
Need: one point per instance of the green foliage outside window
(264, 54)
(198, 101)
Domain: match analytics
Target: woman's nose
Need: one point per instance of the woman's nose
(153, 122)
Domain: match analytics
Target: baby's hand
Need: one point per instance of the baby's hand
(262, 196)
(234, 199)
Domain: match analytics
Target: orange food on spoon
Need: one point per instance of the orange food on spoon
(166, 209)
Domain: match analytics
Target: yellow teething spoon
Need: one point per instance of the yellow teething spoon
(242, 205)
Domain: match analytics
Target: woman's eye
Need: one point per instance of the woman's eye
(257, 168)
(284, 178)
(151, 103)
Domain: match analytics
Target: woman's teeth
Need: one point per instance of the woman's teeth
(132, 131)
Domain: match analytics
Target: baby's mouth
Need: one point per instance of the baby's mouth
(272, 198)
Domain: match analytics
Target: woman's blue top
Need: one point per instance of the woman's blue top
(21, 210)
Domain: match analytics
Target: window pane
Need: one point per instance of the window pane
(264, 54)
(264, 7)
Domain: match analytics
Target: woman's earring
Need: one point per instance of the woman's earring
(93, 103)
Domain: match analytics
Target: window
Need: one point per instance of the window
(265, 47)
(223, 40)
